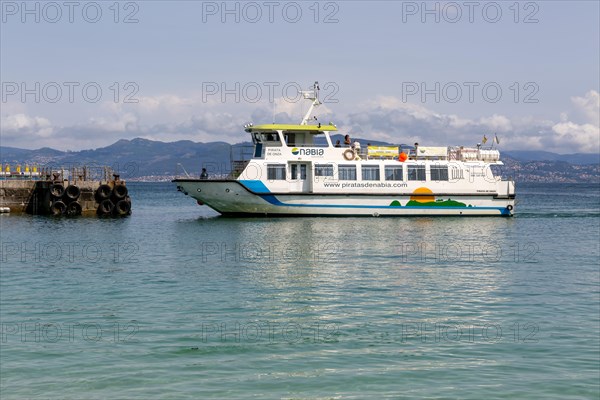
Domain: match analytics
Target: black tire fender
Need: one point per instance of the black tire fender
(57, 190)
(123, 207)
(58, 207)
(103, 192)
(72, 192)
(105, 207)
(74, 209)
(120, 192)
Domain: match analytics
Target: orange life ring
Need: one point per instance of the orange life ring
(349, 154)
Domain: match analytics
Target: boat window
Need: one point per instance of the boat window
(294, 171)
(290, 139)
(370, 172)
(320, 141)
(276, 172)
(416, 172)
(270, 137)
(323, 170)
(347, 172)
(304, 139)
(258, 150)
(393, 173)
(439, 173)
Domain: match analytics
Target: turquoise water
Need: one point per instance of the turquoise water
(174, 302)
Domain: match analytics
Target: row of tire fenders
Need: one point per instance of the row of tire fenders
(111, 200)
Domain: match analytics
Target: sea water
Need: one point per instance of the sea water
(175, 302)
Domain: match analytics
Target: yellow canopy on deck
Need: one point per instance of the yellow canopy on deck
(291, 128)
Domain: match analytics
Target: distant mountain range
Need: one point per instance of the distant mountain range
(142, 159)
(138, 157)
(577, 158)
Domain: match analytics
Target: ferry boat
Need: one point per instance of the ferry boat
(297, 170)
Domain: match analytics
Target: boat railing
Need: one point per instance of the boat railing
(66, 172)
(241, 152)
(240, 156)
(365, 156)
(315, 144)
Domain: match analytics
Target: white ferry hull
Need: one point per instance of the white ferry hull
(232, 198)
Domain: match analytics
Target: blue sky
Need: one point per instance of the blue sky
(538, 62)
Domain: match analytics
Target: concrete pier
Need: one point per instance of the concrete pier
(65, 197)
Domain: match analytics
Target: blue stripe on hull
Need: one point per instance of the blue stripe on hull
(255, 186)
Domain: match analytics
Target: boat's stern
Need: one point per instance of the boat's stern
(506, 195)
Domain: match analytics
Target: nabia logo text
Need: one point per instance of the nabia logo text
(307, 152)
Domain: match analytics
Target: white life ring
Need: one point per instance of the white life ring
(349, 154)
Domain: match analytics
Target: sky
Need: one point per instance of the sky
(82, 74)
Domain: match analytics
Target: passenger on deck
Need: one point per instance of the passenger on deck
(338, 144)
(347, 140)
(204, 174)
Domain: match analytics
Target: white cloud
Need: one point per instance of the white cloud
(171, 104)
(171, 117)
(387, 103)
(496, 123)
(584, 138)
(127, 122)
(24, 124)
(589, 106)
(388, 118)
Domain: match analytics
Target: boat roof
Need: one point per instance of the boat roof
(291, 127)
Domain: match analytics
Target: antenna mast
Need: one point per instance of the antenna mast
(314, 96)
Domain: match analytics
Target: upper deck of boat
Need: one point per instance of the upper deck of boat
(267, 138)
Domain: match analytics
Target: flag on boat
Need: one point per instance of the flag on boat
(484, 139)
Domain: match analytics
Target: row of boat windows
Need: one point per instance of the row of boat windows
(368, 172)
